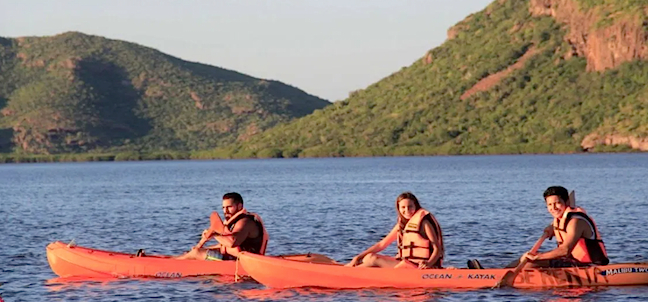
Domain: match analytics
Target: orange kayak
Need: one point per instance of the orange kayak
(76, 261)
(281, 273)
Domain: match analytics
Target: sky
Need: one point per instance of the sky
(327, 48)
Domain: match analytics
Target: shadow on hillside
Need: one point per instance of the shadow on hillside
(5, 140)
(299, 103)
(116, 101)
(5, 134)
(5, 42)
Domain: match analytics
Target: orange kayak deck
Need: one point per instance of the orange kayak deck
(281, 273)
(77, 261)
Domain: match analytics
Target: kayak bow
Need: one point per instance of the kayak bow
(76, 261)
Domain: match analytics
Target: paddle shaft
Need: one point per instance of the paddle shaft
(204, 240)
(533, 250)
(511, 277)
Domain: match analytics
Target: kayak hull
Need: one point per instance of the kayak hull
(77, 261)
(281, 273)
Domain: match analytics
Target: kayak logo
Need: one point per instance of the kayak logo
(168, 275)
(481, 276)
(436, 276)
(624, 270)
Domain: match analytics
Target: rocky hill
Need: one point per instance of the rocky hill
(535, 76)
(74, 93)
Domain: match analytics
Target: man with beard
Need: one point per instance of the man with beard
(578, 238)
(241, 231)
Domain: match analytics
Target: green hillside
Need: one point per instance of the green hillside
(513, 78)
(76, 93)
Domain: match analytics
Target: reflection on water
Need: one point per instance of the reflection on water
(571, 294)
(490, 208)
(322, 294)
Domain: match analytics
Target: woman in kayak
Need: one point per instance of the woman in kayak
(419, 238)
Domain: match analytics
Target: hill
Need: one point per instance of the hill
(536, 76)
(76, 93)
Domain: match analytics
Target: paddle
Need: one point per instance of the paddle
(310, 258)
(215, 226)
(509, 278)
(572, 199)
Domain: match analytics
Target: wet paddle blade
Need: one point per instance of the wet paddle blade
(310, 258)
(507, 280)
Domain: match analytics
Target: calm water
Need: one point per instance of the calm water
(490, 207)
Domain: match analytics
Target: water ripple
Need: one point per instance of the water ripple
(490, 208)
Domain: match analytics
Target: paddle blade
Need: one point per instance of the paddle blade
(310, 258)
(507, 280)
(216, 223)
(572, 199)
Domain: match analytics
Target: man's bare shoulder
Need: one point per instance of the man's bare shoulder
(580, 226)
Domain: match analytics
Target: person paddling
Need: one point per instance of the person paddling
(241, 231)
(579, 241)
(418, 235)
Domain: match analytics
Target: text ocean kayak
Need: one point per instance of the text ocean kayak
(281, 273)
(77, 261)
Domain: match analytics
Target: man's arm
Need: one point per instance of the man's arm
(575, 230)
(241, 231)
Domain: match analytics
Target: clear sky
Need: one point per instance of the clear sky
(327, 48)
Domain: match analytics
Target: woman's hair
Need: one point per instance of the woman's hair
(405, 195)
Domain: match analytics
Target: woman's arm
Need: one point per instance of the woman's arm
(378, 247)
(436, 246)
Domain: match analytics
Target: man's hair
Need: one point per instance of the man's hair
(236, 197)
(558, 191)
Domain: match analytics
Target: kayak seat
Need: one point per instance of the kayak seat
(474, 264)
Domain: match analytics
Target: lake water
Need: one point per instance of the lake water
(490, 208)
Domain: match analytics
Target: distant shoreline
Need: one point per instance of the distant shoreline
(8, 158)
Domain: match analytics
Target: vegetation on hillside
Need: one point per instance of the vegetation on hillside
(547, 105)
(505, 81)
(80, 93)
(610, 11)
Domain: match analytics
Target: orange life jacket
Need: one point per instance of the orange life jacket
(414, 247)
(253, 245)
(586, 250)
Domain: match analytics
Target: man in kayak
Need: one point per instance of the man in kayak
(579, 241)
(241, 231)
(419, 238)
